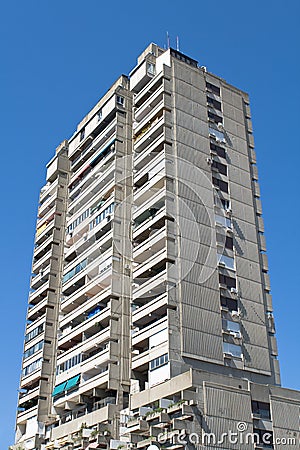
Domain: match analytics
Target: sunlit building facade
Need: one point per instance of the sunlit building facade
(150, 315)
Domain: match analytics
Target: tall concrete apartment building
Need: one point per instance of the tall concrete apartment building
(150, 318)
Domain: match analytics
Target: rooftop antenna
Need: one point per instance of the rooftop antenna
(177, 43)
(168, 40)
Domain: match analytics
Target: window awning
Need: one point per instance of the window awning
(59, 389)
(72, 382)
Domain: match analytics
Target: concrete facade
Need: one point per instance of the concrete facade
(150, 317)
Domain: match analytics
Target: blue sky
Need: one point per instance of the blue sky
(59, 57)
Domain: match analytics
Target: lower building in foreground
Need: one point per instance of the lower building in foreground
(150, 318)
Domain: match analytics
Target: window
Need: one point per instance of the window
(219, 136)
(221, 168)
(78, 221)
(261, 409)
(212, 88)
(225, 203)
(228, 281)
(160, 361)
(232, 349)
(226, 261)
(150, 69)
(120, 100)
(220, 151)
(75, 271)
(105, 213)
(214, 103)
(229, 325)
(263, 437)
(229, 303)
(222, 220)
(214, 117)
(228, 241)
(32, 367)
(82, 135)
(35, 332)
(35, 348)
(66, 365)
(222, 185)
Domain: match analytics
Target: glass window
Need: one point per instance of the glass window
(214, 103)
(226, 260)
(232, 349)
(158, 362)
(214, 117)
(222, 185)
(35, 348)
(220, 137)
(229, 325)
(230, 303)
(222, 168)
(120, 100)
(212, 88)
(219, 150)
(35, 332)
(82, 134)
(35, 365)
(228, 281)
(222, 220)
(74, 271)
(150, 69)
(261, 409)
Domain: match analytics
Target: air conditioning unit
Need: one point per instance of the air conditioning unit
(235, 314)
(234, 290)
(209, 161)
(220, 126)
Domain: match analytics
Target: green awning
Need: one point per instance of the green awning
(72, 382)
(59, 389)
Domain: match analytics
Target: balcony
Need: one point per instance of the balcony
(35, 312)
(85, 178)
(38, 280)
(47, 191)
(145, 93)
(152, 101)
(98, 416)
(152, 265)
(141, 75)
(138, 425)
(97, 189)
(154, 308)
(91, 289)
(100, 141)
(150, 189)
(86, 333)
(23, 416)
(155, 285)
(145, 333)
(152, 113)
(152, 132)
(91, 307)
(152, 245)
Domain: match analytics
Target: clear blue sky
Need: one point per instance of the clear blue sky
(59, 57)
